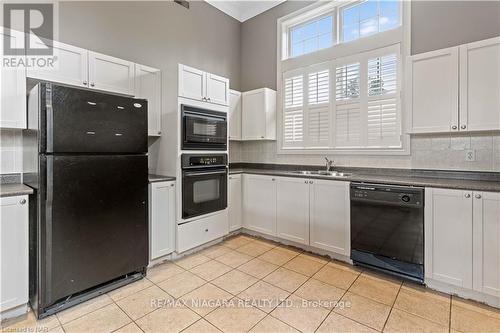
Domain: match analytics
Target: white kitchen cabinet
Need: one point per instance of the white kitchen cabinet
(292, 209)
(432, 91)
(486, 241)
(70, 66)
(234, 115)
(259, 203)
(202, 86)
(161, 219)
(330, 216)
(14, 252)
(448, 236)
(258, 115)
(199, 232)
(480, 85)
(12, 87)
(111, 74)
(234, 202)
(148, 86)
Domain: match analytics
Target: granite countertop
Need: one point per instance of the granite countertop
(10, 190)
(159, 178)
(477, 181)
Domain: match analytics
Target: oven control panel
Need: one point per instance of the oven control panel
(203, 160)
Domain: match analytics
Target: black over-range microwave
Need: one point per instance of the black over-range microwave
(203, 129)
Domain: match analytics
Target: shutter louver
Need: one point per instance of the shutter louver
(293, 115)
(348, 125)
(382, 75)
(347, 82)
(318, 111)
(294, 92)
(319, 87)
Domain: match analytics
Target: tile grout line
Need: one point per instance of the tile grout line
(449, 316)
(392, 306)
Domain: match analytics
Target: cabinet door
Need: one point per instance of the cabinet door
(161, 219)
(330, 216)
(259, 208)
(292, 209)
(433, 91)
(234, 202)
(217, 90)
(111, 74)
(448, 236)
(191, 83)
(12, 87)
(70, 66)
(148, 86)
(253, 124)
(234, 115)
(14, 252)
(480, 85)
(487, 243)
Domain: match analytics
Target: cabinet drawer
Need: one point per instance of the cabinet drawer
(195, 233)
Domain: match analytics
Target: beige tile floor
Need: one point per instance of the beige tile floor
(249, 285)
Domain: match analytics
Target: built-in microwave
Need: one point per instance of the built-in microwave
(203, 129)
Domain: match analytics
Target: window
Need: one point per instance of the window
(311, 36)
(367, 18)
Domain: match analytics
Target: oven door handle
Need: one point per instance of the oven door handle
(218, 119)
(191, 174)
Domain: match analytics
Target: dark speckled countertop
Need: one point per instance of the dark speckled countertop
(478, 181)
(159, 178)
(13, 189)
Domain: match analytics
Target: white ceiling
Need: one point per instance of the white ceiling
(244, 10)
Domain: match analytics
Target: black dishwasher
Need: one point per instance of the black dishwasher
(387, 229)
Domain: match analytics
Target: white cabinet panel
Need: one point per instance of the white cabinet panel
(111, 74)
(292, 210)
(234, 202)
(433, 91)
(196, 233)
(70, 67)
(448, 236)
(259, 203)
(486, 242)
(161, 219)
(259, 115)
(12, 87)
(234, 115)
(14, 252)
(217, 90)
(480, 85)
(192, 83)
(148, 86)
(330, 216)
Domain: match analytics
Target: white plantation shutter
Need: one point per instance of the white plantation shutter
(318, 106)
(319, 87)
(293, 113)
(347, 81)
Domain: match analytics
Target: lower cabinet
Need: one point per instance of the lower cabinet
(13, 252)
(161, 219)
(292, 209)
(234, 202)
(462, 239)
(259, 203)
(195, 233)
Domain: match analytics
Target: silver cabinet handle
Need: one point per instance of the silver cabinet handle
(273, 179)
(310, 182)
(305, 181)
(478, 196)
(172, 185)
(22, 201)
(206, 230)
(92, 84)
(85, 83)
(463, 126)
(454, 127)
(467, 195)
(262, 137)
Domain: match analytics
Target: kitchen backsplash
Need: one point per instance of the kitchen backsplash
(10, 151)
(443, 152)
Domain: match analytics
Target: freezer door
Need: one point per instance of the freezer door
(94, 226)
(83, 121)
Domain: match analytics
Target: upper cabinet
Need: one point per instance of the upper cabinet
(111, 74)
(455, 89)
(148, 86)
(234, 115)
(202, 86)
(259, 115)
(12, 88)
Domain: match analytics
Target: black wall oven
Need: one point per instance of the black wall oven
(203, 129)
(204, 184)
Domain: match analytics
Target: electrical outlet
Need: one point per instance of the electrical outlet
(470, 155)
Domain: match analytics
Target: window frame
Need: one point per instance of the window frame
(400, 35)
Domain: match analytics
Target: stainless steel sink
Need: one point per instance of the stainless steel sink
(322, 173)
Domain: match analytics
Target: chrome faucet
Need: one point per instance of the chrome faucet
(329, 164)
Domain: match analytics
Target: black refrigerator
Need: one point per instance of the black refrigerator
(86, 157)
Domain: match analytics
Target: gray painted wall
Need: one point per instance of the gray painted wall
(434, 25)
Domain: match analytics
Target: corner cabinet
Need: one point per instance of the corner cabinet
(462, 239)
(202, 86)
(161, 219)
(455, 89)
(234, 202)
(234, 115)
(258, 115)
(259, 203)
(148, 86)
(12, 87)
(14, 252)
